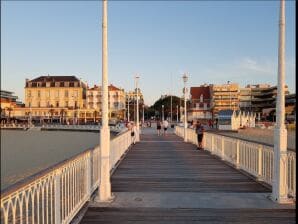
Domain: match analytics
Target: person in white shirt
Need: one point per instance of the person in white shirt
(165, 126)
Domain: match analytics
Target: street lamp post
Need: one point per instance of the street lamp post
(162, 112)
(128, 119)
(137, 109)
(279, 183)
(185, 78)
(104, 192)
(143, 114)
(171, 108)
(177, 113)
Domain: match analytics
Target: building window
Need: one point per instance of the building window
(76, 104)
(38, 93)
(57, 84)
(48, 104)
(48, 84)
(66, 93)
(38, 104)
(66, 103)
(29, 104)
(57, 103)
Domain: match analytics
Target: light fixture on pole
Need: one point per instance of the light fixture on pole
(137, 109)
(279, 183)
(185, 78)
(104, 192)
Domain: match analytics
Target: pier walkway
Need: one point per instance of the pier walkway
(165, 180)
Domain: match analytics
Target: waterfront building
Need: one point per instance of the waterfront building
(9, 103)
(224, 97)
(116, 101)
(290, 107)
(200, 103)
(55, 98)
(260, 98)
(131, 102)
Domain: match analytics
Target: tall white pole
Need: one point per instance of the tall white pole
(162, 112)
(143, 114)
(185, 111)
(128, 119)
(137, 109)
(279, 185)
(105, 184)
(177, 113)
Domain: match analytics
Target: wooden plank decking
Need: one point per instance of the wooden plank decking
(167, 164)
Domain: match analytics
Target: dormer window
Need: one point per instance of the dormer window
(201, 98)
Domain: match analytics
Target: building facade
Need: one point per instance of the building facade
(55, 98)
(224, 97)
(200, 103)
(9, 103)
(131, 102)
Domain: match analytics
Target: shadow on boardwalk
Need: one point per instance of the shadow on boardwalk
(165, 180)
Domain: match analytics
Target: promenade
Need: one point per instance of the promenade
(165, 180)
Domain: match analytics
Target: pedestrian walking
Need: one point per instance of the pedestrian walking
(165, 127)
(133, 133)
(158, 127)
(200, 133)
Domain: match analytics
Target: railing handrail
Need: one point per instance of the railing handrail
(60, 191)
(41, 174)
(253, 157)
(243, 139)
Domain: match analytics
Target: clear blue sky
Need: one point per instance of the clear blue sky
(213, 41)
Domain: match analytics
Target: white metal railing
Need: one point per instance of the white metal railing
(254, 158)
(57, 194)
(80, 127)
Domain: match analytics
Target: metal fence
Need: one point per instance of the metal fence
(254, 158)
(57, 194)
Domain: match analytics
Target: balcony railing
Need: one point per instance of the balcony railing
(57, 194)
(254, 158)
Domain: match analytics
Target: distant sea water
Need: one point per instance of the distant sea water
(24, 153)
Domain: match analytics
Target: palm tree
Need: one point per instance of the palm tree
(9, 109)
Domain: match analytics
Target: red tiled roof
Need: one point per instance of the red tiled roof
(113, 88)
(196, 92)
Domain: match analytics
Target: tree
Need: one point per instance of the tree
(156, 108)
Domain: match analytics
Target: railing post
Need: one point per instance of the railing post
(260, 164)
(89, 174)
(237, 154)
(222, 148)
(57, 197)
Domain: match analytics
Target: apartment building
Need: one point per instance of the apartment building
(224, 97)
(116, 101)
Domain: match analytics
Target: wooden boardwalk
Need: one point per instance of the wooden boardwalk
(162, 166)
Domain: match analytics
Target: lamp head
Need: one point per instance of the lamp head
(185, 78)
